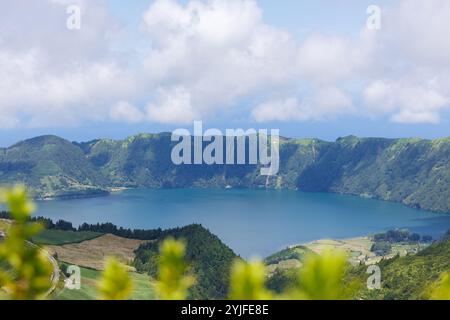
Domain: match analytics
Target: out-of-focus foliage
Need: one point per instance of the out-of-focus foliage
(26, 271)
(442, 290)
(321, 277)
(173, 281)
(248, 281)
(115, 283)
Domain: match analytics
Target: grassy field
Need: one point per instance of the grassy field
(92, 253)
(60, 237)
(141, 283)
(357, 249)
(90, 256)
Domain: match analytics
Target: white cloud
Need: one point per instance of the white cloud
(50, 75)
(408, 116)
(328, 59)
(405, 67)
(205, 57)
(278, 110)
(173, 106)
(217, 51)
(413, 56)
(124, 111)
(418, 31)
(327, 103)
(408, 103)
(216, 23)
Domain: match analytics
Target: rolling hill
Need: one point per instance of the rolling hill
(210, 260)
(415, 172)
(50, 167)
(402, 278)
(410, 277)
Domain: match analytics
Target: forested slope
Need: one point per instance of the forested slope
(413, 171)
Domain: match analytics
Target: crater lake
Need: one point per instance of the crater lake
(251, 222)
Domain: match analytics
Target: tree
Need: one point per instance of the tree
(414, 237)
(381, 248)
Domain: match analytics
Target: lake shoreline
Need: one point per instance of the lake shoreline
(252, 222)
(112, 190)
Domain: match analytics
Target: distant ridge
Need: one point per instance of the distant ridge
(413, 171)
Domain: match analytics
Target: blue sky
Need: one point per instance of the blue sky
(309, 68)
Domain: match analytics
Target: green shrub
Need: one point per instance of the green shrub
(26, 270)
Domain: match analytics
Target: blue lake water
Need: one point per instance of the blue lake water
(251, 222)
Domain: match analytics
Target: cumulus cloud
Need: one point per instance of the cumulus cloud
(414, 55)
(417, 31)
(124, 111)
(420, 103)
(50, 75)
(327, 103)
(202, 58)
(247, 57)
(173, 106)
(329, 59)
(217, 51)
(401, 72)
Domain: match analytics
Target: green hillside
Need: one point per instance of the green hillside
(415, 172)
(210, 260)
(293, 253)
(402, 278)
(50, 167)
(410, 277)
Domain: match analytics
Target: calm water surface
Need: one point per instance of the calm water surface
(251, 222)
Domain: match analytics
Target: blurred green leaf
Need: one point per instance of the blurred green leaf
(173, 281)
(248, 281)
(27, 270)
(321, 276)
(442, 290)
(115, 283)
